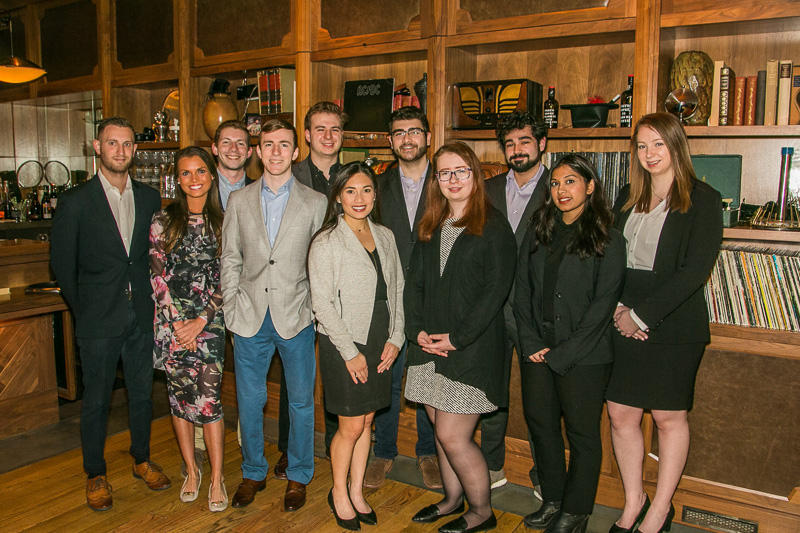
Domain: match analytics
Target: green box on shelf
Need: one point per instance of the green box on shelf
(723, 172)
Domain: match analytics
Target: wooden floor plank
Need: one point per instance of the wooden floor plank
(49, 496)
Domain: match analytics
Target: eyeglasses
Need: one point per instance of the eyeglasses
(413, 132)
(460, 174)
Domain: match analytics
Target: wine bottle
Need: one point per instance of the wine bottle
(47, 210)
(35, 210)
(551, 109)
(626, 105)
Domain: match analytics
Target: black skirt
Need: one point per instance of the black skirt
(342, 396)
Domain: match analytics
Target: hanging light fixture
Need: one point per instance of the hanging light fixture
(16, 69)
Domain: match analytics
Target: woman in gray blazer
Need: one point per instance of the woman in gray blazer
(357, 296)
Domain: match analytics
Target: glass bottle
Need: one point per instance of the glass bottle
(626, 105)
(35, 207)
(47, 210)
(551, 109)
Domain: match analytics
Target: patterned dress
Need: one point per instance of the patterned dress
(186, 285)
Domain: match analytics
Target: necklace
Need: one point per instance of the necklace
(660, 198)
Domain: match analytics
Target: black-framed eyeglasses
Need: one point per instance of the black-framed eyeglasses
(413, 132)
(461, 174)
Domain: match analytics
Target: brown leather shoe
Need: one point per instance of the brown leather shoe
(376, 472)
(98, 493)
(152, 474)
(295, 496)
(246, 492)
(281, 466)
(429, 465)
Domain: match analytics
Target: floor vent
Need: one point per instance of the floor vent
(728, 524)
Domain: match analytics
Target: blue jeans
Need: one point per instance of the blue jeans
(387, 419)
(253, 356)
(99, 358)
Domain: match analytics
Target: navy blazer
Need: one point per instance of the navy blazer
(90, 263)
(675, 309)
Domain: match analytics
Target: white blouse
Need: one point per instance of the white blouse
(642, 231)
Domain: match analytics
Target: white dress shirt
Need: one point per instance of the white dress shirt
(122, 207)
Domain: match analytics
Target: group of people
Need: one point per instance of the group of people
(427, 271)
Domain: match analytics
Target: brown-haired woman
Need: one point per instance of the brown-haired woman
(459, 276)
(673, 225)
(189, 330)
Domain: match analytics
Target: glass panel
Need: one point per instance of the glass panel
(496, 9)
(345, 18)
(69, 40)
(256, 26)
(144, 32)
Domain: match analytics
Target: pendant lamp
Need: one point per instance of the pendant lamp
(16, 69)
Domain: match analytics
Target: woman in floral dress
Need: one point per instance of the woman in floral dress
(189, 330)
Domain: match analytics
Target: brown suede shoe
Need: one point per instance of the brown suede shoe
(281, 466)
(376, 472)
(98, 493)
(152, 474)
(246, 492)
(295, 496)
(429, 465)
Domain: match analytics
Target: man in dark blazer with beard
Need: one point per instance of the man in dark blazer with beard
(99, 254)
(517, 194)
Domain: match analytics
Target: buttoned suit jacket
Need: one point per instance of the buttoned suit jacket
(256, 276)
(96, 275)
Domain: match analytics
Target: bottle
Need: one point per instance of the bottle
(3, 203)
(35, 209)
(551, 109)
(54, 199)
(47, 210)
(626, 105)
(8, 207)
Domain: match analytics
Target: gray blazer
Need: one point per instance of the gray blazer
(343, 280)
(256, 276)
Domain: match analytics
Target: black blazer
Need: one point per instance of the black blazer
(466, 301)
(587, 292)
(89, 260)
(393, 211)
(496, 191)
(675, 307)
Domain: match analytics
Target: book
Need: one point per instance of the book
(727, 80)
(771, 93)
(750, 96)
(761, 93)
(276, 91)
(263, 92)
(713, 118)
(784, 92)
(738, 101)
(794, 108)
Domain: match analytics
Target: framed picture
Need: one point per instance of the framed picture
(253, 123)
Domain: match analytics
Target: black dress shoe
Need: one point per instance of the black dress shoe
(569, 523)
(542, 518)
(639, 517)
(431, 513)
(459, 525)
(667, 521)
(370, 518)
(350, 524)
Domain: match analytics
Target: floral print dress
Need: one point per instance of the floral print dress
(186, 285)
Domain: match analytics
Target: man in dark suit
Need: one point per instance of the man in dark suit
(99, 254)
(403, 191)
(232, 147)
(517, 194)
(324, 127)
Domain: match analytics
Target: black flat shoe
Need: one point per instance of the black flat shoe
(431, 513)
(542, 518)
(459, 525)
(350, 524)
(569, 523)
(639, 517)
(667, 521)
(370, 518)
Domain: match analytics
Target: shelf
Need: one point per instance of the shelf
(759, 341)
(558, 133)
(743, 131)
(381, 142)
(746, 233)
(158, 146)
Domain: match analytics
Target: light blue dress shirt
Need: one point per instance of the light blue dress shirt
(517, 197)
(273, 205)
(412, 190)
(226, 188)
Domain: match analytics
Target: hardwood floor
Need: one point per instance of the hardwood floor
(49, 496)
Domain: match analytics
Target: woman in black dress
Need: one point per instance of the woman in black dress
(459, 277)
(569, 278)
(357, 296)
(189, 328)
(673, 224)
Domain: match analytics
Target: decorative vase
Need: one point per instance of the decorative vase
(217, 110)
(694, 70)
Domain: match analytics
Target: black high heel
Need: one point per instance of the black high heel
(350, 524)
(370, 518)
(667, 521)
(639, 517)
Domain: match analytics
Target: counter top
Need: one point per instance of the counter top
(21, 305)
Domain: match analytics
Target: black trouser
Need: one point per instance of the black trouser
(99, 358)
(331, 421)
(578, 395)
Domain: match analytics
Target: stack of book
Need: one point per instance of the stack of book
(755, 288)
(769, 98)
(613, 168)
(276, 91)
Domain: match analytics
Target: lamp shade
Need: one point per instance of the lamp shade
(18, 70)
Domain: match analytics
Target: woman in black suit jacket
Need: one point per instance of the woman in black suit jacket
(459, 277)
(673, 224)
(569, 278)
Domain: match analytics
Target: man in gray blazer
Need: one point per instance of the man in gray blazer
(517, 194)
(266, 234)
